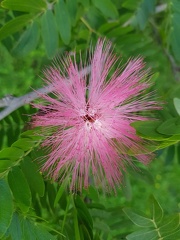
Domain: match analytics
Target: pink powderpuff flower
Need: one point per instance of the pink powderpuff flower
(87, 123)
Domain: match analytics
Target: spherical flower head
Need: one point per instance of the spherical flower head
(89, 116)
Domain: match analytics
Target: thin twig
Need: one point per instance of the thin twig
(14, 103)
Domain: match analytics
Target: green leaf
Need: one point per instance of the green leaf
(82, 211)
(31, 134)
(15, 231)
(143, 235)
(107, 8)
(23, 143)
(138, 219)
(28, 41)
(51, 191)
(24, 228)
(144, 10)
(11, 153)
(28, 230)
(170, 225)
(43, 234)
(20, 188)
(6, 207)
(59, 193)
(84, 232)
(129, 4)
(5, 164)
(170, 127)
(143, 174)
(170, 154)
(175, 34)
(72, 10)
(177, 104)
(33, 176)
(126, 188)
(156, 210)
(92, 193)
(173, 236)
(119, 31)
(14, 25)
(49, 33)
(24, 5)
(147, 129)
(63, 21)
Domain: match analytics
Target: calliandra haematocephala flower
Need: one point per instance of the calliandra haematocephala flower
(87, 119)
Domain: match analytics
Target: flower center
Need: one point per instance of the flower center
(89, 118)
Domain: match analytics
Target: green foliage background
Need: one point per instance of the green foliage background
(146, 206)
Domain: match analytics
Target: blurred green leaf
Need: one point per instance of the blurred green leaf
(170, 154)
(26, 229)
(33, 176)
(51, 191)
(174, 37)
(156, 210)
(143, 235)
(6, 207)
(83, 212)
(144, 10)
(138, 219)
(43, 234)
(63, 21)
(170, 127)
(49, 33)
(148, 129)
(20, 188)
(107, 8)
(129, 4)
(72, 7)
(14, 230)
(177, 104)
(173, 236)
(59, 193)
(15, 25)
(28, 41)
(84, 233)
(126, 187)
(24, 5)
(171, 224)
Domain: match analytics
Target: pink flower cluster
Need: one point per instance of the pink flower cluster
(90, 118)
